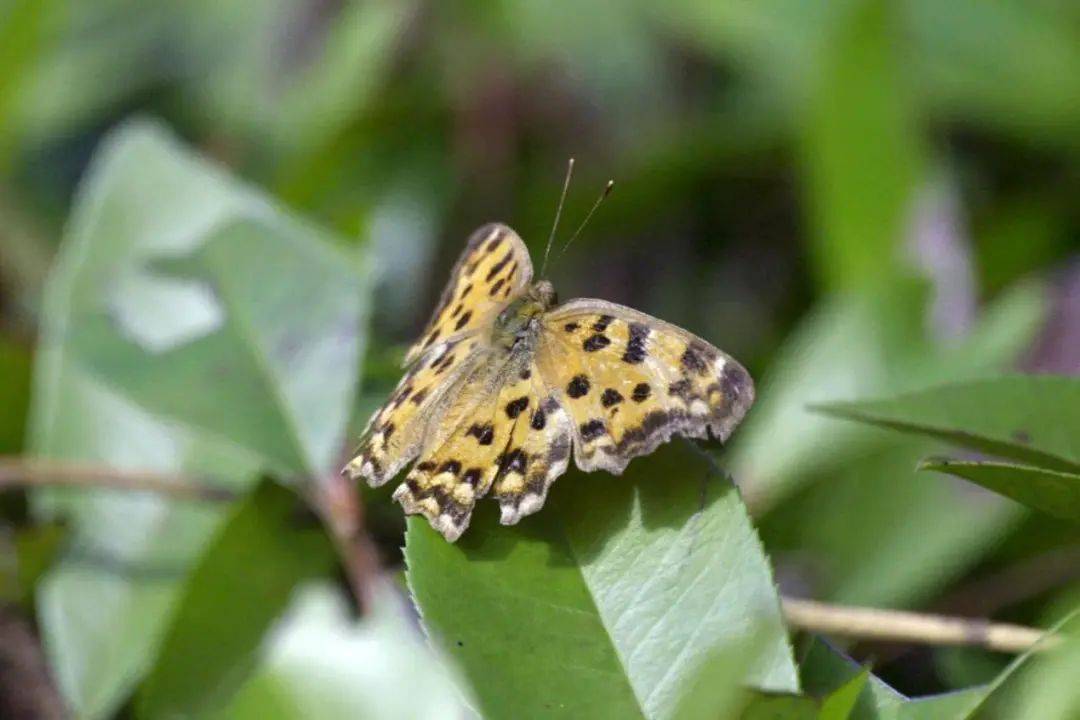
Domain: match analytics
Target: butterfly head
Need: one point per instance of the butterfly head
(520, 320)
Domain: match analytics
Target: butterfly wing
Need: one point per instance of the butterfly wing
(506, 436)
(395, 432)
(630, 382)
(493, 269)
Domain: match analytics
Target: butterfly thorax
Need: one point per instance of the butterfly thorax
(518, 325)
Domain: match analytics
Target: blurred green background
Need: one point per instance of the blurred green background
(853, 198)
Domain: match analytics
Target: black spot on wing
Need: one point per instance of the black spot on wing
(539, 419)
(635, 346)
(641, 392)
(497, 267)
(693, 361)
(571, 327)
(512, 461)
(595, 342)
(496, 287)
(472, 476)
(463, 320)
(602, 323)
(451, 466)
(515, 407)
(484, 434)
(578, 386)
(610, 397)
(592, 429)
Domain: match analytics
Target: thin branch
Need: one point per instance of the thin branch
(338, 503)
(899, 626)
(32, 472)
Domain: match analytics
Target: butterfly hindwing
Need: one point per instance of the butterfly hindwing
(512, 442)
(396, 432)
(630, 382)
(493, 269)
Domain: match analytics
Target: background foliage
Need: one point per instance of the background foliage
(221, 221)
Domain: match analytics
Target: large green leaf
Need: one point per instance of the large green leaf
(605, 602)
(1054, 493)
(189, 326)
(238, 588)
(1032, 419)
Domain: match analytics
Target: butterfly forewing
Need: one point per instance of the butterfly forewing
(493, 269)
(630, 382)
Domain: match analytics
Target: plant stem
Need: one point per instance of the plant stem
(900, 626)
(30, 472)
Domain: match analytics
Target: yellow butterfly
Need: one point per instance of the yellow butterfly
(505, 383)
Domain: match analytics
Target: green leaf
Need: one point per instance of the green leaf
(715, 688)
(824, 669)
(762, 706)
(1047, 688)
(1031, 419)
(238, 588)
(605, 602)
(1054, 493)
(189, 327)
(841, 702)
(321, 662)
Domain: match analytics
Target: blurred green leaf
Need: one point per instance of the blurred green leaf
(1046, 687)
(15, 367)
(861, 147)
(234, 593)
(1054, 493)
(326, 65)
(189, 327)
(604, 603)
(855, 346)
(1031, 419)
(21, 24)
(321, 662)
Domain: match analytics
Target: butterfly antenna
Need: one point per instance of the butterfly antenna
(558, 214)
(603, 195)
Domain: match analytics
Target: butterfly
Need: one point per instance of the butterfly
(505, 384)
